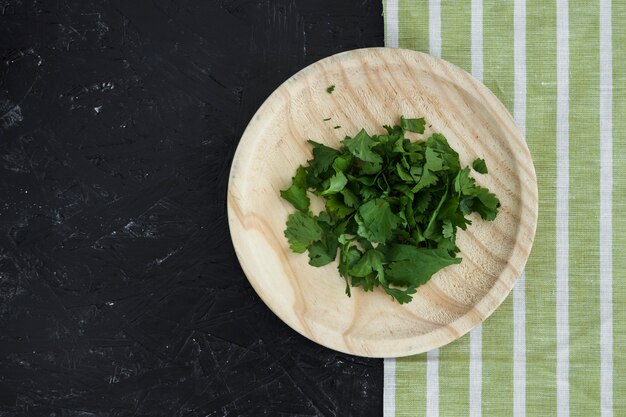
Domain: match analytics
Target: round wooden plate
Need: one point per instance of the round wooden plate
(375, 87)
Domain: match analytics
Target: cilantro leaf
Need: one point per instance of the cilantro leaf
(336, 207)
(413, 266)
(434, 162)
(401, 296)
(403, 174)
(463, 183)
(349, 198)
(296, 193)
(448, 229)
(438, 142)
(413, 125)
(427, 179)
(337, 183)
(480, 166)
(361, 147)
(487, 204)
(370, 168)
(372, 261)
(342, 163)
(302, 230)
(323, 156)
(422, 200)
(323, 251)
(376, 220)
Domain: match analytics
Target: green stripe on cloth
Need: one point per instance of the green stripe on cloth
(541, 266)
(563, 129)
(411, 386)
(619, 205)
(454, 378)
(456, 33)
(413, 25)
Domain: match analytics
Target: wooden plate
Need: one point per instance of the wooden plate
(374, 87)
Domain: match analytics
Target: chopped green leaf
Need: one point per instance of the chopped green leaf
(361, 147)
(337, 182)
(376, 221)
(463, 183)
(422, 200)
(349, 198)
(401, 296)
(413, 125)
(337, 208)
(413, 266)
(330, 89)
(448, 229)
(372, 261)
(323, 156)
(302, 230)
(480, 166)
(323, 251)
(296, 193)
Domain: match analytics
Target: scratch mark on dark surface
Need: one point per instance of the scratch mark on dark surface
(120, 292)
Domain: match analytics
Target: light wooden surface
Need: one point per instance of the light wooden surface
(374, 87)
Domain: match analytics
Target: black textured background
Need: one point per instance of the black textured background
(120, 293)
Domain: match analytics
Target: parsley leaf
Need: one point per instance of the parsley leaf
(371, 262)
(337, 182)
(330, 89)
(323, 156)
(361, 147)
(480, 166)
(376, 220)
(323, 251)
(296, 194)
(413, 125)
(411, 266)
(302, 230)
(401, 296)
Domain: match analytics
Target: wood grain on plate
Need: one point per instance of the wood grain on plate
(374, 87)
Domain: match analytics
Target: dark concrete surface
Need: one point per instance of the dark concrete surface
(120, 293)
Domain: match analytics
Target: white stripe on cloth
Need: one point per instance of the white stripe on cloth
(519, 347)
(476, 371)
(391, 23)
(434, 27)
(606, 207)
(389, 387)
(562, 208)
(519, 291)
(432, 386)
(476, 335)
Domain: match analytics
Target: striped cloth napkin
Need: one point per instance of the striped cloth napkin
(557, 346)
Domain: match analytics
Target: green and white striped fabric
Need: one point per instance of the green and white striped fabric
(557, 346)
